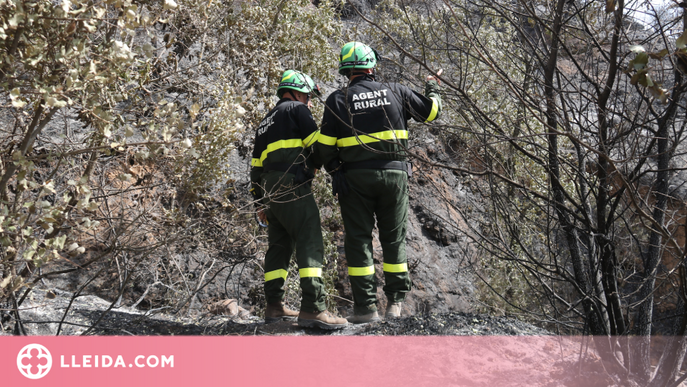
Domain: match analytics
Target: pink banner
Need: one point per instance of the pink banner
(330, 361)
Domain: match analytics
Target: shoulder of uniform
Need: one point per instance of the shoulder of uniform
(289, 105)
(395, 85)
(336, 94)
(296, 104)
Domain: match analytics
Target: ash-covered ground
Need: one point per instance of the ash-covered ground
(471, 349)
(52, 312)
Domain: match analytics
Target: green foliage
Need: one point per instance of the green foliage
(122, 116)
(640, 70)
(73, 56)
(575, 130)
(502, 289)
(270, 37)
(488, 110)
(199, 169)
(247, 49)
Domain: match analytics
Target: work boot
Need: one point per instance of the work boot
(364, 318)
(322, 320)
(278, 312)
(393, 310)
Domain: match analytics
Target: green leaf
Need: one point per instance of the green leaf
(681, 42)
(641, 60)
(14, 95)
(89, 27)
(659, 55)
(659, 93)
(635, 78)
(60, 240)
(16, 19)
(648, 82)
(28, 254)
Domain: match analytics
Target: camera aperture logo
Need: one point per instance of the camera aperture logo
(34, 361)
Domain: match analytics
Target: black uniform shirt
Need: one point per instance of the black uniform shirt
(368, 120)
(282, 137)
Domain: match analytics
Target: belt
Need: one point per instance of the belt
(381, 164)
(302, 174)
(282, 167)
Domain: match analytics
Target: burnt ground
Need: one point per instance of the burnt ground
(57, 312)
(51, 312)
(447, 324)
(482, 350)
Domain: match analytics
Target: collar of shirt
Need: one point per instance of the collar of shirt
(366, 77)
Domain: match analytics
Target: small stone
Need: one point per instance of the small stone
(226, 308)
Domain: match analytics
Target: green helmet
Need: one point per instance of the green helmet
(296, 80)
(356, 55)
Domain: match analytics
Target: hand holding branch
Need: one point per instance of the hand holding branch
(436, 78)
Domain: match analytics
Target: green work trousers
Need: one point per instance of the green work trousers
(294, 223)
(382, 194)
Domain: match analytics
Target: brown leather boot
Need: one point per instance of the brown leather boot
(364, 318)
(278, 312)
(393, 310)
(322, 320)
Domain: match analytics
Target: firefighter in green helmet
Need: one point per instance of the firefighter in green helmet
(281, 175)
(362, 143)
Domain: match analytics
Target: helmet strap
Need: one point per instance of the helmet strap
(296, 98)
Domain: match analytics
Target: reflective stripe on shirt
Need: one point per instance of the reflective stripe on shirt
(434, 112)
(326, 140)
(311, 139)
(281, 144)
(371, 137)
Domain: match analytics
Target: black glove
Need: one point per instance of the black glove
(339, 185)
(303, 175)
(336, 170)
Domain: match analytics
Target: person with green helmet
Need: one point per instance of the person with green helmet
(362, 144)
(281, 176)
